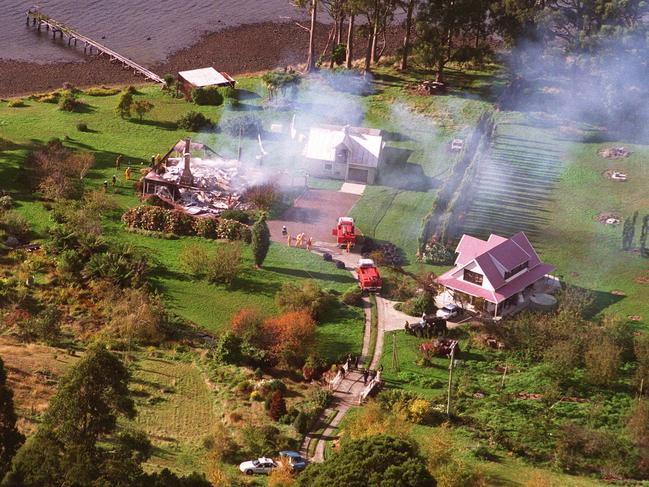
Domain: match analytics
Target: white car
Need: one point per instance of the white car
(449, 311)
(261, 465)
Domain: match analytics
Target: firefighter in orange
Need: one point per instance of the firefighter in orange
(349, 246)
(298, 240)
(288, 239)
(127, 173)
(309, 243)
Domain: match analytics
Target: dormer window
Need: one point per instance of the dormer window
(342, 155)
(516, 270)
(473, 277)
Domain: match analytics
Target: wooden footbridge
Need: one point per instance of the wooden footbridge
(40, 20)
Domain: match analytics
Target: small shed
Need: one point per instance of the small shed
(200, 78)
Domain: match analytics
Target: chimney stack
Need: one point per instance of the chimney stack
(187, 179)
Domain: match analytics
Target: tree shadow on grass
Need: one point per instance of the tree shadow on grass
(162, 124)
(321, 276)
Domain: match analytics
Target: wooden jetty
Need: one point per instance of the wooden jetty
(40, 20)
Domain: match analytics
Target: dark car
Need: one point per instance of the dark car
(295, 461)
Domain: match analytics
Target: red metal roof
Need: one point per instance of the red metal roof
(492, 256)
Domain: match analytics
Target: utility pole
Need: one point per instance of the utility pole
(450, 381)
(395, 357)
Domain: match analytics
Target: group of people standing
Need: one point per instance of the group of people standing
(300, 239)
(352, 363)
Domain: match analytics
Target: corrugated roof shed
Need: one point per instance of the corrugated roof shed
(206, 77)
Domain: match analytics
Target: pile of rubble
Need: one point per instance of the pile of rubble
(429, 88)
(614, 152)
(217, 185)
(608, 218)
(616, 176)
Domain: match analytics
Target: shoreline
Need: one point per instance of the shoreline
(238, 50)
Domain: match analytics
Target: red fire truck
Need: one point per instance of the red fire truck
(344, 231)
(368, 275)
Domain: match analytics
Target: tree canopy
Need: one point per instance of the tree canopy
(378, 461)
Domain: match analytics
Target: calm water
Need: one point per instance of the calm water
(126, 25)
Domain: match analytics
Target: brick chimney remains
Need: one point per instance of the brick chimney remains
(187, 179)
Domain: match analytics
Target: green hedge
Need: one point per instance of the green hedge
(177, 222)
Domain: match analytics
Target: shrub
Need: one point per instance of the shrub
(248, 125)
(142, 107)
(194, 259)
(339, 53)
(47, 325)
(602, 359)
(15, 224)
(136, 316)
(260, 240)
(121, 265)
(301, 423)
(262, 196)
(207, 227)
(124, 105)
(237, 215)
(193, 121)
(131, 90)
(224, 264)
(437, 254)
(353, 296)
(6, 202)
(247, 323)
(289, 337)
(416, 306)
(277, 406)
(82, 127)
(101, 91)
(70, 262)
(307, 296)
(16, 104)
(228, 349)
(170, 81)
(155, 200)
(209, 95)
(68, 101)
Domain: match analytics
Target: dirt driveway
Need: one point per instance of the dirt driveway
(315, 213)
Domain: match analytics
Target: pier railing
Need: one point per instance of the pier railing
(40, 20)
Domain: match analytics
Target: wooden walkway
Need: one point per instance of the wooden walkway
(40, 20)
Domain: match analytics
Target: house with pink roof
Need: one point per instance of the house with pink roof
(496, 276)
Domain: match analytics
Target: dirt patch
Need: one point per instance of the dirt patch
(635, 318)
(618, 292)
(33, 372)
(608, 218)
(614, 152)
(315, 213)
(642, 280)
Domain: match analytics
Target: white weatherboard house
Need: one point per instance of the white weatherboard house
(497, 276)
(348, 153)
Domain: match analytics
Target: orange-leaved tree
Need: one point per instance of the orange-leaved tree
(290, 336)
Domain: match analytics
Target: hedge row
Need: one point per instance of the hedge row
(177, 222)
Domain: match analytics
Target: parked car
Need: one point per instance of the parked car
(449, 311)
(261, 465)
(295, 461)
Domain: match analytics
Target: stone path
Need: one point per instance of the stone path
(347, 392)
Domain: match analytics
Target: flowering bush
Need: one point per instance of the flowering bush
(158, 219)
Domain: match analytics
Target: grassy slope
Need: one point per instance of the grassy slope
(211, 306)
(553, 189)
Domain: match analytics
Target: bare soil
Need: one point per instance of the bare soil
(315, 213)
